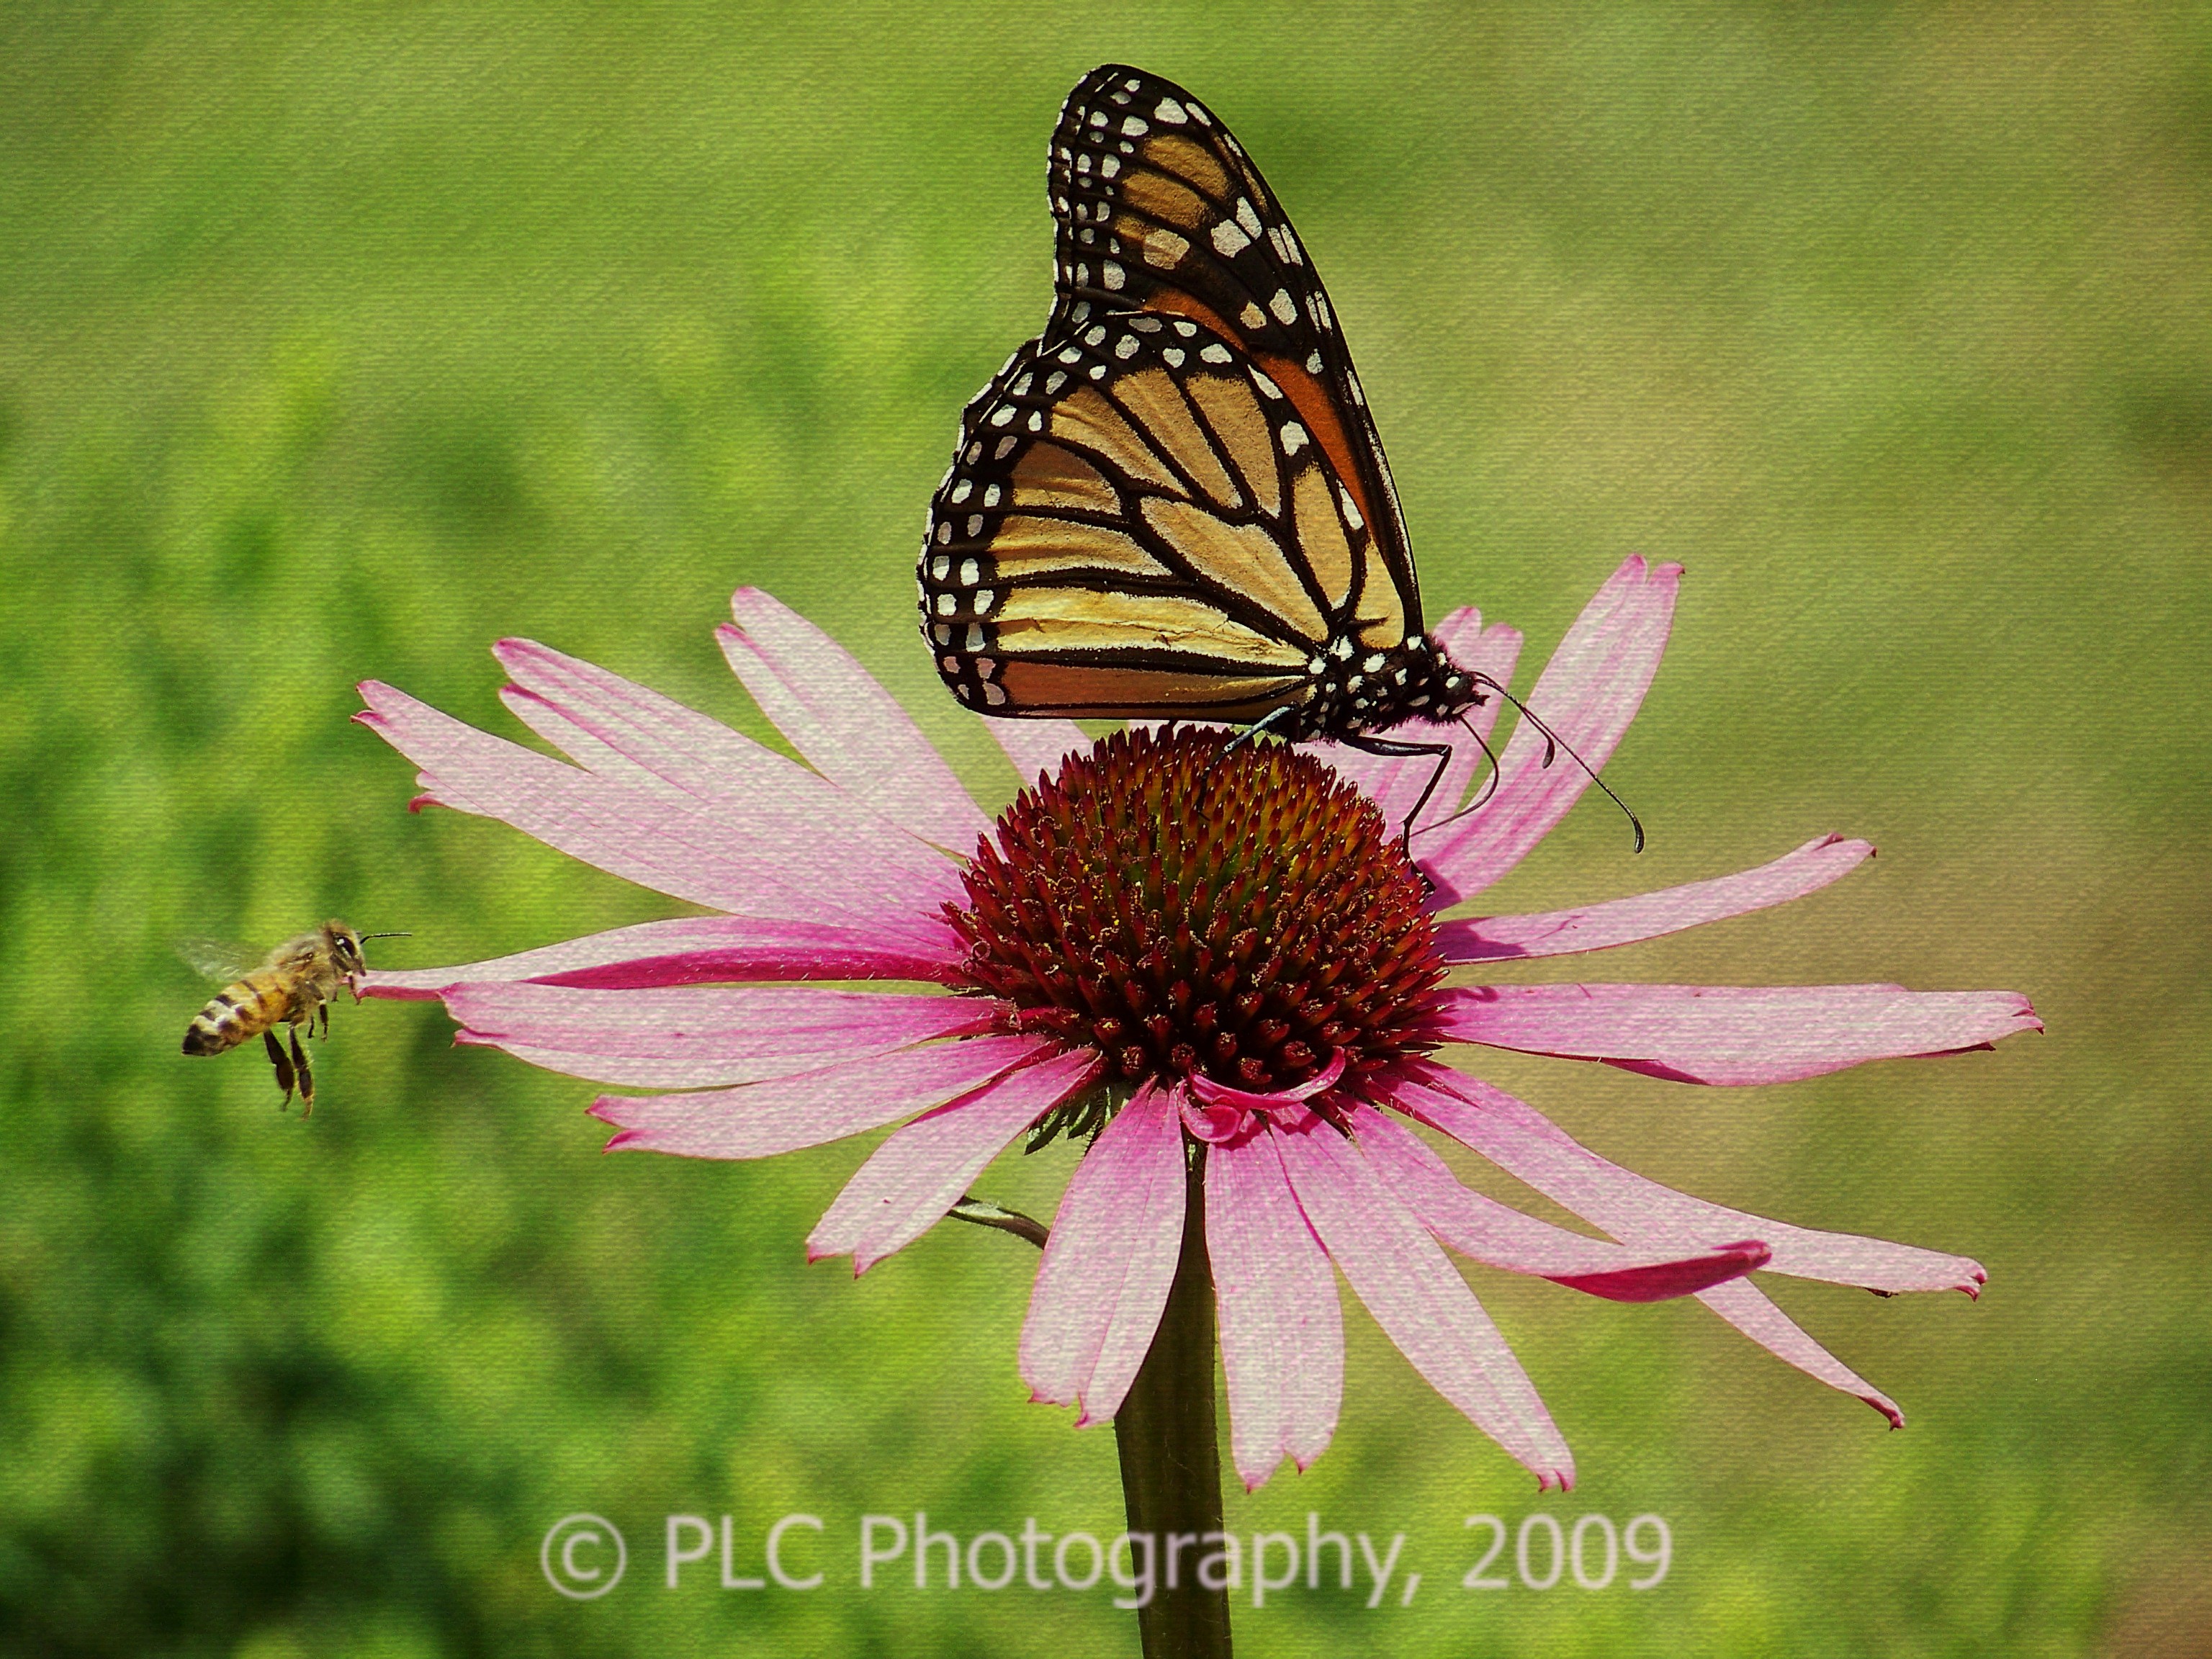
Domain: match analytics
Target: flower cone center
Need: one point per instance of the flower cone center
(1189, 906)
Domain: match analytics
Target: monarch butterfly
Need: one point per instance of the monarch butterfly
(1173, 502)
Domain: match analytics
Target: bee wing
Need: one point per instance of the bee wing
(218, 959)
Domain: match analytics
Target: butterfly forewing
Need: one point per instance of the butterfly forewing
(1158, 207)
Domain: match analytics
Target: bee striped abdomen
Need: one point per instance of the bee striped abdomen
(236, 1012)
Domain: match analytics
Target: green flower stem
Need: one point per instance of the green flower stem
(1171, 1458)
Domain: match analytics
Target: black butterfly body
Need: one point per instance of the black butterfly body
(1173, 502)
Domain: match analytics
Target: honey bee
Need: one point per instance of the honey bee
(292, 987)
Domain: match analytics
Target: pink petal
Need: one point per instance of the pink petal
(1478, 1225)
(1107, 1267)
(1395, 784)
(1588, 694)
(688, 1037)
(1422, 1305)
(1747, 1307)
(810, 1108)
(1731, 1034)
(1037, 745)
(699, 950)
(1642, 1213)
(920, 1172)
(1624, 921)
(794, 868)
(620, 729)
(845, 723)
(1282, 1332)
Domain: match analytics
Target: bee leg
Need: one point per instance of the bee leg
(324, 1009)
(307, 1075)
(277, 1058)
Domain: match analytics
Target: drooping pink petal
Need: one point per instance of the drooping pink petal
(1395, 784)
(810, 1108)
(697, 1037)
(614, 727)
(1588, 694)
(1282, 1331)
(845, 723)
(704, 950)
(1642, 1214)
(1479, 1226)
(1422, 1305)
(789, 868)
(920, 1172)
(1649, 915)
(1731, 1034)
(1108, 1263)
(1747, 1307)
(1037, 745)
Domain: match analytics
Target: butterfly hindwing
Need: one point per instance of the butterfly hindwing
(1138, 518)
(1158, 207)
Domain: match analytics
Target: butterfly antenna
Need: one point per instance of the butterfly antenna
(1553, 743)
(384, 936)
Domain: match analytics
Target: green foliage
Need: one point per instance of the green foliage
(338, 342)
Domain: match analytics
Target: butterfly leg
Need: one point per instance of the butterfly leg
(307, 1075)
(1394, 748)
(1248, 735)
(283, 1065)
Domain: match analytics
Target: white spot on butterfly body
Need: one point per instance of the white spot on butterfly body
(941, 632)
(968, 566)
(1173, 355)
(945, 532)
(991, 496)
(1249, 218)
(1252, 316)
(1266, 387)
(1052, 383)
(1071, 354)
(941, 567)
(1171, 112)
(993, 694)
(1109, 167)
(1125, 347)
(1285, 307)
(1294, 437)
(946, 604)
(1112, 274)
(1163, 248)
(1003, 415)
(1313, 362)
(1021, 388)
(1133, 126)
(1095, 336)
(1374, 664)
(1229, 240)
(1006, 447)
(983, 597)
(961, 491)
(1351, 513)
(1146, 325)
(1216, 353)
(975, 640)
(1187, 330)
(1097, 371)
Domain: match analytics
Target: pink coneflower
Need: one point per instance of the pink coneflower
(1185, 951)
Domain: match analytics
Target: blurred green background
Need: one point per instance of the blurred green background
(338, 341)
